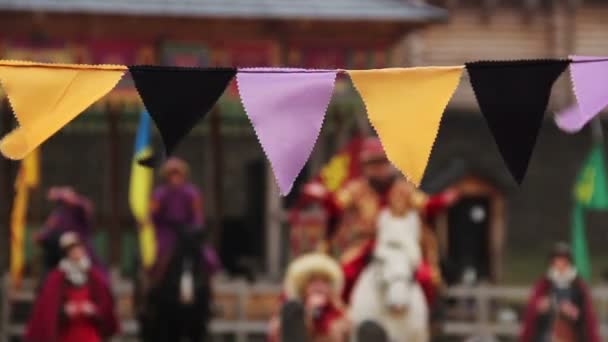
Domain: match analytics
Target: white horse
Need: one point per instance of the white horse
(387, 292)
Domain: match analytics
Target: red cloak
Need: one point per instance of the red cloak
(589, 327)
(45, 319)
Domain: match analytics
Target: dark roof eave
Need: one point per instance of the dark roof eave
(424, 15)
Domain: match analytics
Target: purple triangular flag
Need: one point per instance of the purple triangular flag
(590, 82)
(286, 108)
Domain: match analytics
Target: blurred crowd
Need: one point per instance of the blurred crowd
(373, 274)
(74, 302)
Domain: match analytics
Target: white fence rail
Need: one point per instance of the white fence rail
(484, 300)
(240, 328)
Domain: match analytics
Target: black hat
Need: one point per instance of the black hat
(561, 249)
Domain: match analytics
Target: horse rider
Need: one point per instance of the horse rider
(75, 303)
(175, 204)
(560, 307)
(386, 293)
(313, 310)
(359, 204)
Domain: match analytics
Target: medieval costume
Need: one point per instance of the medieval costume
(315, 281)
(75, 303)
(177, 205)
(360, 204)
(73, 213)
(560, 307)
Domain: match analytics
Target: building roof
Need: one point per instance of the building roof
(365, 10)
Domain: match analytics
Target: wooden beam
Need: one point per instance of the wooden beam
(217, 158)
(112, 114)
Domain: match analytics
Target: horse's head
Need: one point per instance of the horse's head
(397, 277)
(398, 254)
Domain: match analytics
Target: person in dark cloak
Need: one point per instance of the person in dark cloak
(72, 213)
(560, 307)
(75, 303)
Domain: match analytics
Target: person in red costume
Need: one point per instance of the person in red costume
(360, 203)
(312, 289)
(560, 307)
(75, 303)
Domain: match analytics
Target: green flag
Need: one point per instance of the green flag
(580, 252)
(590, 192)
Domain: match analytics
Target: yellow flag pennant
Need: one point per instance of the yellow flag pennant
(45, 97)
(27, 178)
(405, 106)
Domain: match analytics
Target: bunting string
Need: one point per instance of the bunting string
(287, 106)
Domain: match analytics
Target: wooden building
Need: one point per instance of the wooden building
(537, 212)
(226, 160)
(470, 234)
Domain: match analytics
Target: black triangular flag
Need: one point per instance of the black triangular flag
(513, 97)
(177, 98)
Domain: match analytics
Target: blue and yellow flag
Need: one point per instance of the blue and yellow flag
(140, 189)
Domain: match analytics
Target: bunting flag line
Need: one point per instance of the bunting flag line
(287, 106)
(286, 110)
(140, 189)
(177, 98)
(589, 77)
(513, 97)
(405, 107)
(62, 91)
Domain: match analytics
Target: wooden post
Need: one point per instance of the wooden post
(597, 131)
(561, 33)
(217, 174)
(112, 114)
(273, 226)
(274, 205)
(483, 311)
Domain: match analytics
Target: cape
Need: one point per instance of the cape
(44, 322)
(587, 327)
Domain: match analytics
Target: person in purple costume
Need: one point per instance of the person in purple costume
(72, 213)
(177, 204)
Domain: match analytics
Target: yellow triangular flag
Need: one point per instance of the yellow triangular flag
(405, 106)
(45, 97)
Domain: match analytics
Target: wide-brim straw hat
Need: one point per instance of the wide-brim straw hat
(303, 268)
(69, 240)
